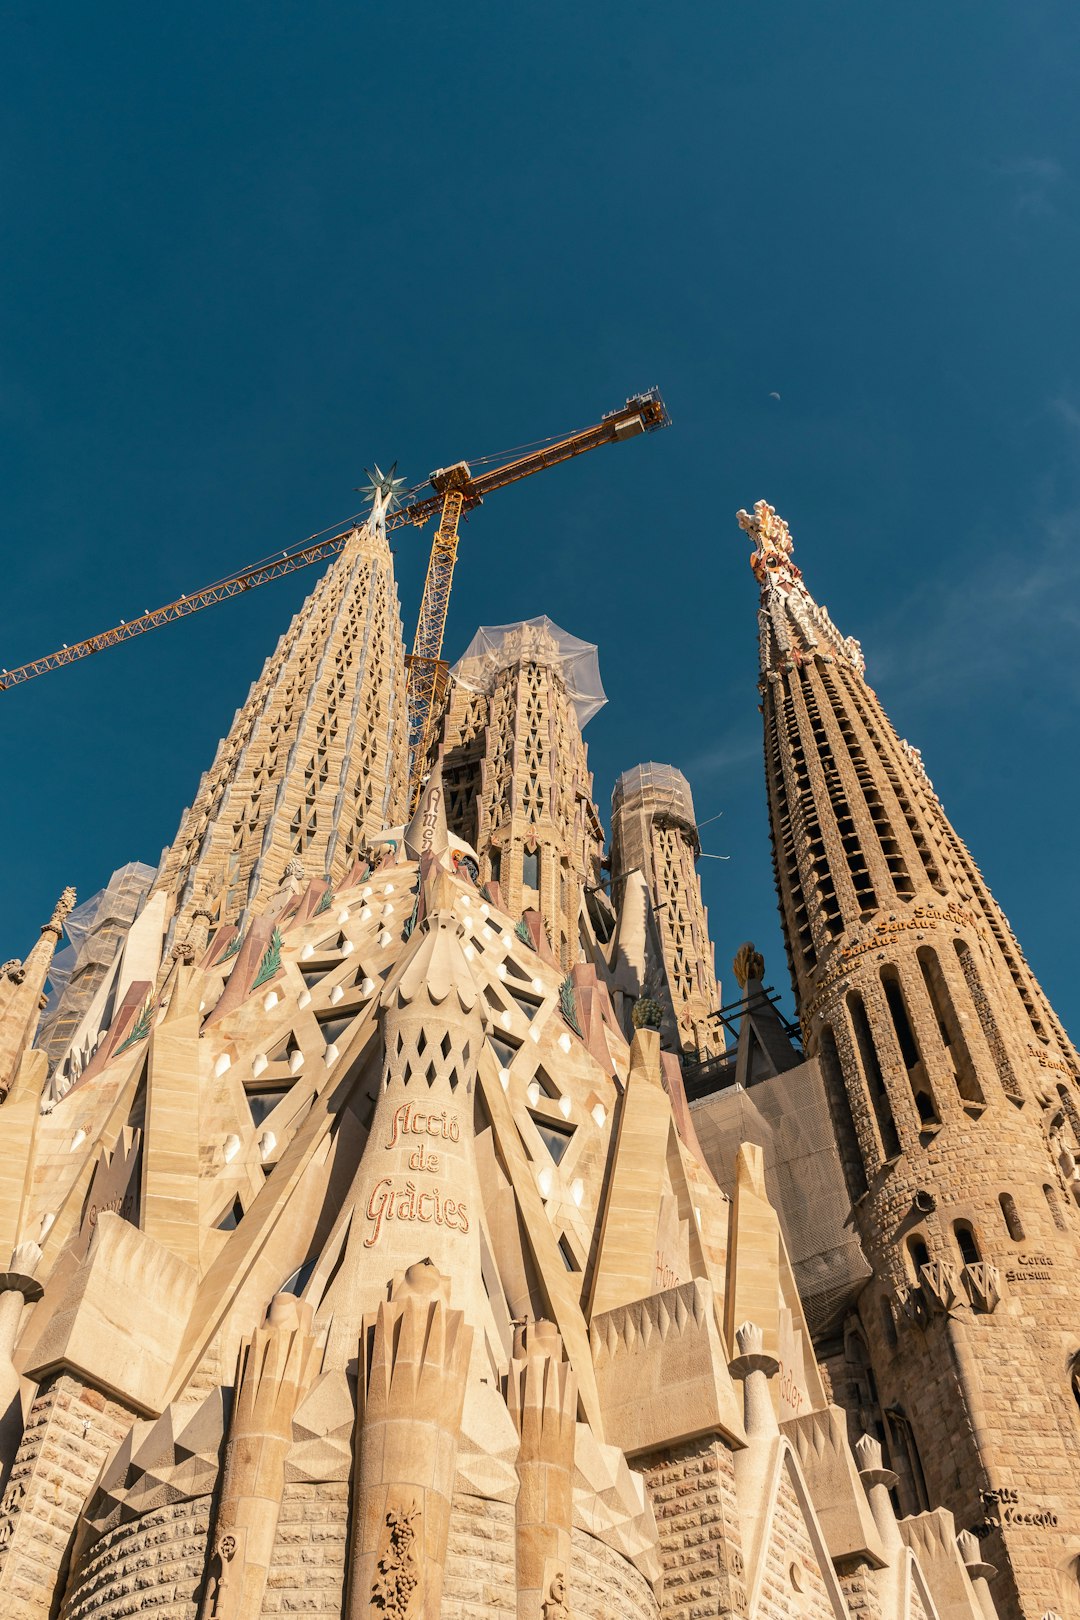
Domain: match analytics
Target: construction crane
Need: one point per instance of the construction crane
(457, 490)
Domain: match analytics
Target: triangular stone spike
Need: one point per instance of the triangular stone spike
(427, 833)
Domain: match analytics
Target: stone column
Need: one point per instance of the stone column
(879, 1481)
(278, 1365)
(414, 1363)
(18, 1287)
(542, 1396)
(980, 1574)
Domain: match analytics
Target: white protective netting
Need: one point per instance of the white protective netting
(788, 1117)
(95, 931)
(540, 640)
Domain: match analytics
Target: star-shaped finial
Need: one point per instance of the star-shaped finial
(382, 487)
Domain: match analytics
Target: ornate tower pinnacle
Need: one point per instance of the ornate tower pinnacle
(952, 1089)
(793, 626)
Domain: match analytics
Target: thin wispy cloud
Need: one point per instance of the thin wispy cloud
(981, 622)
(1036, 184)
(728, 755)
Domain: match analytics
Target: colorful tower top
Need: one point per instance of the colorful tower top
(793, 626)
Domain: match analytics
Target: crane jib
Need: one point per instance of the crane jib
(457, 491)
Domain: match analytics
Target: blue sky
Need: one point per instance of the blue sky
(252, 248)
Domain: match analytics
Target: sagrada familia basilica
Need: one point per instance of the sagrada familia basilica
(398, 1226)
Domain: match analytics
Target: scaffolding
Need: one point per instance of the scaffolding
(95, 933)
(496, 646)
(787, 1115)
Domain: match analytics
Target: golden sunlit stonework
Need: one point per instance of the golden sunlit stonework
(381, 1242)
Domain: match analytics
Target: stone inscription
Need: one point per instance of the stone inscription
(392, 1200)
(790, 1392)
(410, 1120)
(430, 819)
(1003, 1506)
(1030, 1268)
(921, 918)
(124, 1207)
(1045, 1061)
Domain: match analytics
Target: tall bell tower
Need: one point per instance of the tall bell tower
(954, 1095)
(315, 762)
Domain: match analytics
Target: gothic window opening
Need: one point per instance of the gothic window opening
(299, 1279)
(528, 1007)
(875, 1080)
(988, 1023)
(1050, 1194)
(966, 1243)
(929, 1117)
(1072, 1114)
(547, 1085)
(952, 1035)
(1011, 1216)
(530, 869)
(504, 1050)
(331, 1028)
(905, 1460)
(918, 1254)
(843, 1121)
(569, 1259)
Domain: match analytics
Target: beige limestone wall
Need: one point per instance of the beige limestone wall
(860, 1592)
(70, 1431)
(603, 1583)
(792, 1583)
(152, 1564)
(307, 1572)
(692, 1488)
(479, 1581)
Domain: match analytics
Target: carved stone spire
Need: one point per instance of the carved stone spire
(22, 993)
(530, 688)
(314, 764)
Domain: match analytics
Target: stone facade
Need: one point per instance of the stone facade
(366, 1264)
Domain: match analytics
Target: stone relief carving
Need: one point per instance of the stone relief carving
(554, 1605)
(397, 1571)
